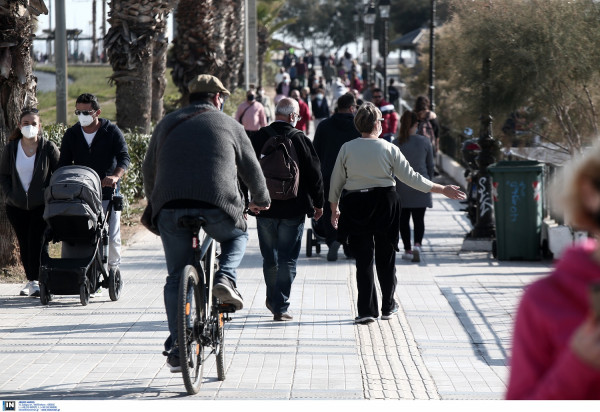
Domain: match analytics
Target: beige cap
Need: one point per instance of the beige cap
(206, 83)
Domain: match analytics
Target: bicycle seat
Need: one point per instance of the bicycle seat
(191, 222)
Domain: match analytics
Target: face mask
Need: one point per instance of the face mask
(29, 131)
(319, 96)
(294, 123)
(250, 97)
(85, 120)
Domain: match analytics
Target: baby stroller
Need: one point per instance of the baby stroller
(75, 217)
(315, 236)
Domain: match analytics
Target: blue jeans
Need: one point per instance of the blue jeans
(280, 241)
(177, 244)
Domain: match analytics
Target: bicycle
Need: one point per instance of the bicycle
(200, 316)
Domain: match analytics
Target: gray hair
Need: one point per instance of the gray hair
(286, 106)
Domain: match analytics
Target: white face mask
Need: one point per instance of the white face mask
(319, 96)
(29, 131)
(85, 120)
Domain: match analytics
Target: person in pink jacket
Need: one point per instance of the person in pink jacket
(556, 342)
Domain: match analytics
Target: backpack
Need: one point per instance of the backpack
(279, 163)
(426, 129)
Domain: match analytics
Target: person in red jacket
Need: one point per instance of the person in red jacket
(556, 342)
(390, 117)
(304, 112)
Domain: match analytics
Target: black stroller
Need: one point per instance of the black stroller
(315, 236)
(74, 214)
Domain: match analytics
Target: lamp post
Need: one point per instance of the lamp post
(384, 12)
(432, 56)
(369, 20)
(355, 18)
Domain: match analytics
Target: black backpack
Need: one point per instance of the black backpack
(279, 163)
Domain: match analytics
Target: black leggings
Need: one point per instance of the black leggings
(29, 226)
(418, 216)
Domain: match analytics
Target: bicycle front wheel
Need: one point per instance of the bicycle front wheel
(191, 319)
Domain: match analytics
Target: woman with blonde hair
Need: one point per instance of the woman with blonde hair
(369, 211)
(556, 341)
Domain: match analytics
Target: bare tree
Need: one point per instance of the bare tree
(17, 87)
(208, 41)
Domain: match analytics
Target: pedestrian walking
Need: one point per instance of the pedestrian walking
(28, 161)
(330, 135)
(368, 216)
(100, 145)
(390, 117)
(251, 113)
(418, 152)
(428, 123)
(195, 157)
(303, 120)
(280, 228)
(556, 341)
(320, 107)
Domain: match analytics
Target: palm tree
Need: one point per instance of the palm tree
(135, 26)
(17, 87)
(267, 13)
(207, 42)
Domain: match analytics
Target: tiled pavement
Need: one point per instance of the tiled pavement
(450, 340)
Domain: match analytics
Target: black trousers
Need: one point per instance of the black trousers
(418, 217)
(29, 226)
(362, 247)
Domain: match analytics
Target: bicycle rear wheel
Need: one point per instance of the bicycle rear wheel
(191, 318)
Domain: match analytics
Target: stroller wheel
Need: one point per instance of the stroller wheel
(309, 237)
(44, 295)
(84, 293)
(317, 247)
(115, 284)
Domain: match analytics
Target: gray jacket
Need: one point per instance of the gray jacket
(201, 159)
(46, 162)
(419, 153)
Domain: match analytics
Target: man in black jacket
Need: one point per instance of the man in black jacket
(98, 144)
(331, 134)
(280, 228)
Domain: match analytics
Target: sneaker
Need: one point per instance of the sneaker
(97, 293)
(282, 316)
(173, 362)
(332, 254)
(391, 312)
(225, 290)
(416, 254)
(364, 320)
(32, 288)
(407, 255)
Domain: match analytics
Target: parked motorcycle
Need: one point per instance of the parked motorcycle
(470, 150)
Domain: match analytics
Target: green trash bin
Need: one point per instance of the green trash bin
(517, 195)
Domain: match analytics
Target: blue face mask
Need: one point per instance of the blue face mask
(222, 103)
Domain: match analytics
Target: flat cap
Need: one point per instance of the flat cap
(206, 83)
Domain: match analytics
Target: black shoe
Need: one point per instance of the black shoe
(173, 362)
(282, 316)
(332, 254)
(224, 289)
(389, 314)
(364, 320)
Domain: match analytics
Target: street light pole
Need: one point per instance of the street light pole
(432, 56)
(369, 19)
(384, 11)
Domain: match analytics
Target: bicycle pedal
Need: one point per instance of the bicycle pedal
(226, 308)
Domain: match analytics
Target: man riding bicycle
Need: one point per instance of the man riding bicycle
(192, 166)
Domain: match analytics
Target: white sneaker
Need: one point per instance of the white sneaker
(416, 254)
(407, 255)
(32, 288)
(97, 293)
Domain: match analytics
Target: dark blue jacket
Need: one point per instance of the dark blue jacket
(107, 152)
(320, 111)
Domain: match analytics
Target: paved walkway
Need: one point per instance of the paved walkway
(450, 340)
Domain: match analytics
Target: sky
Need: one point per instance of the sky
(78, 16)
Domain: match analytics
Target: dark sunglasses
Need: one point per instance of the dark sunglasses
(29, 110)
(84, 112)
(377, 97)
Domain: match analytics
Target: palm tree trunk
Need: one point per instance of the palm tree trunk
(17, 90)
(129, 44)
(159, 83)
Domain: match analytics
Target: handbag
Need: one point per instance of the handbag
(146, 218)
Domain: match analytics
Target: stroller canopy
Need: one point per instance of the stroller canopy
(74, 191)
